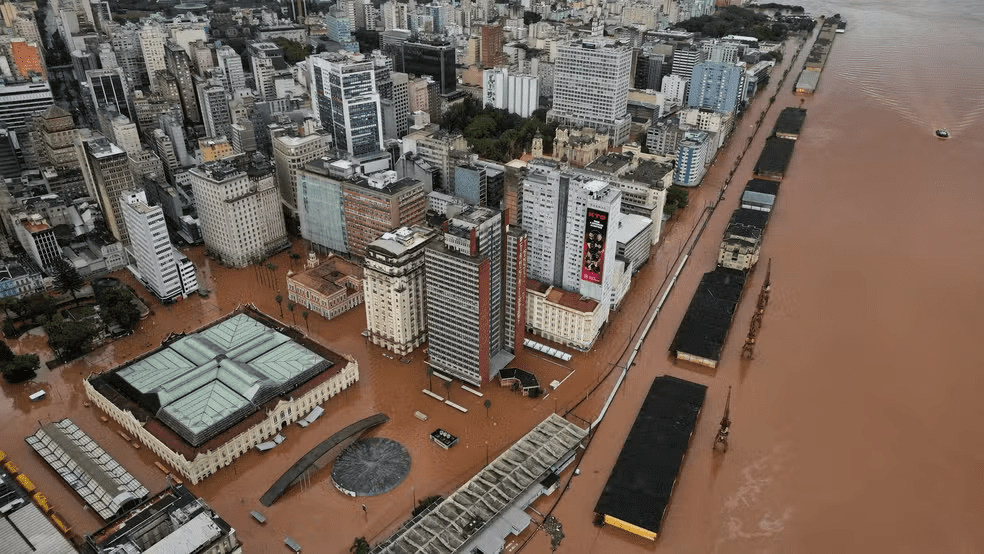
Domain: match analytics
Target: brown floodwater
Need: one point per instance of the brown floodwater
(855, 426)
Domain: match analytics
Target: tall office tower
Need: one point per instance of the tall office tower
(320, 205)
(214, 101)
(514, 322)
(418, 95)
(266, 58)
(401, 103)
(479, 182)
(164, 147)
(512, 194)
(571, 218)
(107, 175)
(27, 58)
(10, 159)
(106, 56)
(179, 65)
(492, 40)
(591, 87)
(202, 55)
(346, 102)
(129, 55)
(152, 47)
(377, 204)
(371, 15)
(432, 59)
(519, 94)
(231, 65)
(239, 210)
(241, 136)
(685, 57)
(19, 100)
(716, 86)
(674, 89)
(692, 158)
(465, 296)
(393, 288)
(290, 154)
(151, 247)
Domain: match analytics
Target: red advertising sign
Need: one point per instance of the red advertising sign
(595, 231)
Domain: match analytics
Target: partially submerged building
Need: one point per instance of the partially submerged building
(172, 522)
(705, 326)
(790, 123)
(492, 505)
(743, 239)
(330, 289)
(202, 400)
(641, 484)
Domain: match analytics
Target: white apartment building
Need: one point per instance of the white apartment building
(239, 210)
(674, 89)
(346, 102)
(150, 247)
(591, 86)
(519, 94)
(231, 65)
(393, 285)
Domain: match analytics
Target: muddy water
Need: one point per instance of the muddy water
(854, 428)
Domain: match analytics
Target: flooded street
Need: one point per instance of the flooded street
(855, 427)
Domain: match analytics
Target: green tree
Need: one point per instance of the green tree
(39, 304)
(290, 307)
(70, 339)
(430, 378)
(280, 304)
(67, 278)
(360, 546)
(304, 316)
(20, 368)
(118, 307)
(8, 328)
(6, 354)
(677, 197)
(488, 404)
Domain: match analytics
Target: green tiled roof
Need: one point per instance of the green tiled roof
(206, 382)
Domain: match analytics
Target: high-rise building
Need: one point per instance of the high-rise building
(465, 295)
(492, 40)
(716, 86)
(150, 245)
(571, 218)
(401, 103)
(20, 100)
(239, 210)
(514, 289)
(674, 88)
(108, 89)
(152, 47)
(129, 55)
(214, 101)
(377, 204)
(692, 158)
(393, 286)
(179, 64)
(107, 175)
(591, 87)
(28, 58)
(346, 102)
(231, 65)
(430, 59)
(519, 94)
(319, 203)
(38, 239)
(685, 57)
(55, 138)
(340, 27)
(290, 154)
(266, 59)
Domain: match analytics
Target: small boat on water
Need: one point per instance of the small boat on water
(943, 133)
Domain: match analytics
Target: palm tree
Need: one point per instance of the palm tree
(280, 303)
(488, 404)
(290, 306)
(430, 378)
(447, 388)
(273, 272)
(307, 323)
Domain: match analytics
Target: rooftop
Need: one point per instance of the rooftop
(327, 278)
(563, 297)
(402, 240)
(629, 227)
(203, 384)
(790, 121)
(705, 326)
(775, 157)
(24, 529)
(639, 488)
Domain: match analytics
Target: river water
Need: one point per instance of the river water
(856, 426)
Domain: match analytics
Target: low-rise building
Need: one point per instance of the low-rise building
(632, 238)
(563, 316)
(174, 521)
(19, 279)
(330, 289)
(204, 399)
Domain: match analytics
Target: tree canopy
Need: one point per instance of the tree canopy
(17, 369)
(733, 20)
(117, 307)
(497, 134)
(66, 277)
(293, 51)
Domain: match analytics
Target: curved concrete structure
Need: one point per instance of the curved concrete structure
(304, 464)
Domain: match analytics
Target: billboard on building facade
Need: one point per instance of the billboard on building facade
(595, 231)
